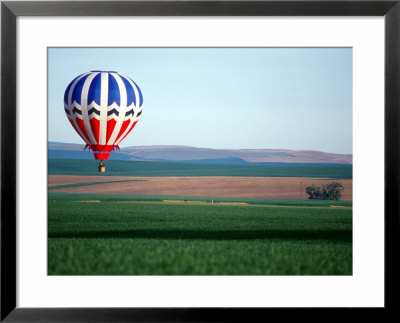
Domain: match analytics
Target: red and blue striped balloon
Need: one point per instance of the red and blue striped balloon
(103, 107)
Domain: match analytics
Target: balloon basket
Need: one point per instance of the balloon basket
(102, 167)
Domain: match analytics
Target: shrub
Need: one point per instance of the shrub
(332, 191)
(314, 192)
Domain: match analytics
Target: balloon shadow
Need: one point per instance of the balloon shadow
(176, 234)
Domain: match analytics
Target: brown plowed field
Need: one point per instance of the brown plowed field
(215, 186)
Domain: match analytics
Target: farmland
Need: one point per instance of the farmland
(122, 235)
(172, 218)
(208, 186)
(154, 168)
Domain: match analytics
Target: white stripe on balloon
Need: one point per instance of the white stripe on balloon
(85, 107)
(122, 109)
(103, 108)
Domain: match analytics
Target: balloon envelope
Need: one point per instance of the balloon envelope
(103, 107)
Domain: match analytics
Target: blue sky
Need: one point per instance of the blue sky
(272, 98)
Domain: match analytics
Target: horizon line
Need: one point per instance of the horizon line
(188, 146)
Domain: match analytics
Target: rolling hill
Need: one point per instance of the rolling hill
(57, 150)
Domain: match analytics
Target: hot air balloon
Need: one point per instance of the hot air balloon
(103, 107)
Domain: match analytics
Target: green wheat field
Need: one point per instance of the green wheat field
(133, 235)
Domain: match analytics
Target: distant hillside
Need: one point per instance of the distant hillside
(203, 155)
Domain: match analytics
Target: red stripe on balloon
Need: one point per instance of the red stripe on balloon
(110, 128)
(81, 126)
(124, 125)
(95, 125)
(133, 125)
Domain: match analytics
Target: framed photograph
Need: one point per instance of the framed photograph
(261, 176)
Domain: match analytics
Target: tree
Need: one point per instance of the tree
(332, 191)
(314, 192)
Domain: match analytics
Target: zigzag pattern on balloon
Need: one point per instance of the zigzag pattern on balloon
(93, 111)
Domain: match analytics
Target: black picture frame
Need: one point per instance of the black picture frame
(10, 10)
